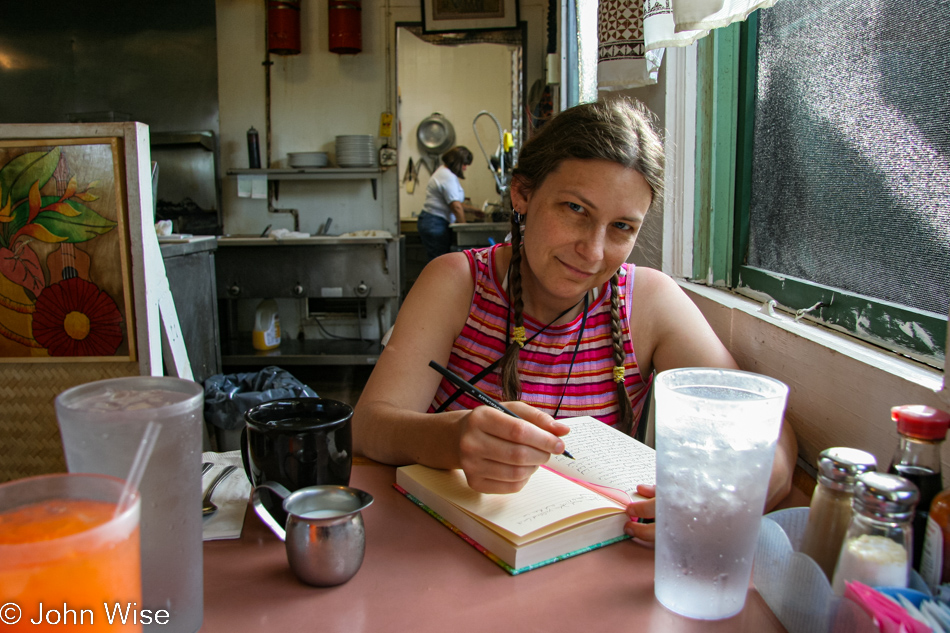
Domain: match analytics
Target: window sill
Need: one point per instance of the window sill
(841, 389)
(900, 367)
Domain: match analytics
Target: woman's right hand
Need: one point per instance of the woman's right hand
(499, 453)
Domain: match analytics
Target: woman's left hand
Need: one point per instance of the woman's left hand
(642, 509)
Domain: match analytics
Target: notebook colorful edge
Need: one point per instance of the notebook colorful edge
(492, 557)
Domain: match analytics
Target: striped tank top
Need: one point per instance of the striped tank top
(545, 362)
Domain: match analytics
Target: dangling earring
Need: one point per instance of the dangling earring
(518, 217)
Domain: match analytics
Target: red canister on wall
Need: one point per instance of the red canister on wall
(345, 26)
(283, 27)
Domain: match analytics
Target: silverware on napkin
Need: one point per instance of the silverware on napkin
(207, 506)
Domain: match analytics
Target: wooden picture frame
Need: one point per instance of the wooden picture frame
(443, 16)
(65, 278)
(135, 271)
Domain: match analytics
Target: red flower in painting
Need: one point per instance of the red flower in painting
(75, 318)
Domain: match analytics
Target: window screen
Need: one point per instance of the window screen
(851, 149)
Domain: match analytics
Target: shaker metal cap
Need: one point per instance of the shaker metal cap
(839, 467)
(884, 496)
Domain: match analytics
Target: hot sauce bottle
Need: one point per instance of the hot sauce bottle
(922, 430)
(935, 560)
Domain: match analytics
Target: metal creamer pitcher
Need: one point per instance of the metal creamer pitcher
(324, 535)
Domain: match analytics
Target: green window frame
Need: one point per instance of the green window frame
(726, 83)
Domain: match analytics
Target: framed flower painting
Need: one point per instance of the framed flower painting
(83, 290)
(65, 285)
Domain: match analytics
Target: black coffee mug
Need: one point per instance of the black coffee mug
(297, 442)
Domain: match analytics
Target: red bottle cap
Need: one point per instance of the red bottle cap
(920, 421)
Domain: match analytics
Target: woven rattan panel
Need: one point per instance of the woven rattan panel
(851, 159)
(29, 436)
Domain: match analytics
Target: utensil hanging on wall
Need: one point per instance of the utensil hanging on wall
(435, 135)
(408, 178)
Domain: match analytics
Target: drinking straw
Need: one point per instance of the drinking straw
(138, 466)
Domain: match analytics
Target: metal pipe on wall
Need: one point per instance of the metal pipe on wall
(267, 65)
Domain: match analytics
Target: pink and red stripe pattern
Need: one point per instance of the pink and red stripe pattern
(545, 362)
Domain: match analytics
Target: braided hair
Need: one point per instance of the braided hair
(621, 131)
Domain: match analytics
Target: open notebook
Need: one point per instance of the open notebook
(567, 507)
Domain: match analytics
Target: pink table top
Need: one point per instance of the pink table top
(419, 576)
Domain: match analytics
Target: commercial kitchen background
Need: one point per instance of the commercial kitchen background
(841, 390)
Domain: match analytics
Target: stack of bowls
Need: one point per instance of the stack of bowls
(307, 159)
(355, 150)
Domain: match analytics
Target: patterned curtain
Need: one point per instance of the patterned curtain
(622, 59)
(682, 22)
(633, 33)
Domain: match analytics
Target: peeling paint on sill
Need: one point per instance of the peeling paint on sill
(829, 336)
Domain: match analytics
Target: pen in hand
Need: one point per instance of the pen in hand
(477, 393)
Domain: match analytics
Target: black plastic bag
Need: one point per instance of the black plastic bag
(228, 397)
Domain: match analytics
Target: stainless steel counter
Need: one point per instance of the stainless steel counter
(337, 270)
(305, 352)
(327, 267)
(474, 234)
(173, 247)
(314, 240)
(189, 266)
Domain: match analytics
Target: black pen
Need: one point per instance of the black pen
(476, 393)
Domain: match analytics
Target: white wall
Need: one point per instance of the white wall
(649, 248)
(315, 96)
(458, 82)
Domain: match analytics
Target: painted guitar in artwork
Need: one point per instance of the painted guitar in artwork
(67, 262)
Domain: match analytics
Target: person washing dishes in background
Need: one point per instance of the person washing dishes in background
(445, 202)
(554, 324)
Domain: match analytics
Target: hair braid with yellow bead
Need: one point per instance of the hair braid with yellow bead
(619, 130)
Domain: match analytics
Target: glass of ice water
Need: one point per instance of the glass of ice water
(716, 431)
(102, 424)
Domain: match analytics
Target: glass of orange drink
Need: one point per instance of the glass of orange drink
(67, 557)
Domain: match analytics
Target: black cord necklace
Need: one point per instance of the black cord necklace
(481, 375)
(577, 347)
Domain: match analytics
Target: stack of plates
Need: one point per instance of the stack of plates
(355, 150)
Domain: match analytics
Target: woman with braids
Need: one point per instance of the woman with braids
(555, 324)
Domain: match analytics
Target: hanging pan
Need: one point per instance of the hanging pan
(435, 135)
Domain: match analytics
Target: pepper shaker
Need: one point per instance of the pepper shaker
(830, 510)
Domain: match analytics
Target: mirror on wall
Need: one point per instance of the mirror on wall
(456, 76)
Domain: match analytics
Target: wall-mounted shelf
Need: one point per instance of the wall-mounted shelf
(315, 173)
(204, 138)
(240, 352)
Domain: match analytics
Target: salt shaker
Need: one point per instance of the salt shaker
(877, 546)
(830, 511)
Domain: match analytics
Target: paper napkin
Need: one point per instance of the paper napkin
(230, 495)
